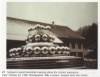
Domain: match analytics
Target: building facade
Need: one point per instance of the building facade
(17, 31)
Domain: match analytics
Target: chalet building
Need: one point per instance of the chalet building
(17, 31)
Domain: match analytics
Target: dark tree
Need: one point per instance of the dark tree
(90, 32)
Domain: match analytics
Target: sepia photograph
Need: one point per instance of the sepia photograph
(52, 35)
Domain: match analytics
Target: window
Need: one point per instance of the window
(79, 45)
(73, 45)
(80, 54)
(67, 44)
(73, 53)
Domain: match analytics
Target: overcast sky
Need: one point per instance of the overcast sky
(73, 15)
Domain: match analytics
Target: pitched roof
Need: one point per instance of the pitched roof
(58, 30)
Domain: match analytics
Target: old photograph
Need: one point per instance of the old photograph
(52, 35)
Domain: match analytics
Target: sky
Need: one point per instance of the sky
(71, 14)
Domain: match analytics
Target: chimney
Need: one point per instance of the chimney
(53, 24)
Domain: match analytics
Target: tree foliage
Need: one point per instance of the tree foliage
(90, 33)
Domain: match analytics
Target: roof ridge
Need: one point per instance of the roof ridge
(35, 21)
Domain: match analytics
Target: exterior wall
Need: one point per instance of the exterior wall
(76, 49)
(79, 52)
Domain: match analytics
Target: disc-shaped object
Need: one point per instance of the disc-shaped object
(30, 29)
(37, 37)
(29, 50)
(10, 50)
(18, 51)
(52, 50)
(48, 27)
(58, 49)
(42, 27)
(14, 50)
(45, 50)
(36, 50)
(63, 49)
(44, 37)
(37, 26)
(51, 38)
(30, 37)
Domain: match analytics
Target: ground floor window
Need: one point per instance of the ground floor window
(73, 53)
(78, 54)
